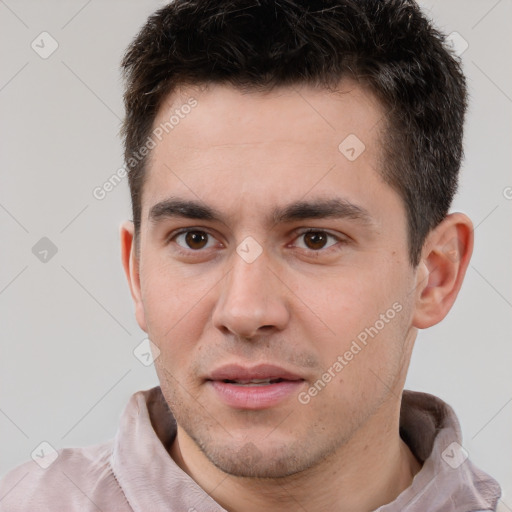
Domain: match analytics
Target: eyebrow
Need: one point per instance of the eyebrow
(301, 210)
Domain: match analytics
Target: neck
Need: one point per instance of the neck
(372, 469)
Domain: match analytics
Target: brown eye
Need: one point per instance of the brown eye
(315, 239)
(195, 240)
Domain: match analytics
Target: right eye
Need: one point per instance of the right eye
(194, 239)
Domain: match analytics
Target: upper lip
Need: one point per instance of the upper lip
(261, 371)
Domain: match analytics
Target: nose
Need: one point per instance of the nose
(252, 300)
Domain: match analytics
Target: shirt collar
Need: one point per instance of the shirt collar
(447, 482)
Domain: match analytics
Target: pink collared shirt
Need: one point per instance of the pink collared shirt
(135, 473)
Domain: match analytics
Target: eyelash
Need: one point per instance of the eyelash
(187, 252)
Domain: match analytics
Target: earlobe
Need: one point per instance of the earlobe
(445, 258)
(131, 270)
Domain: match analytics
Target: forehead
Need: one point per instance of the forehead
(230, 147)
(223, 114)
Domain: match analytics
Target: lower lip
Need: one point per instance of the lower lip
(255, 397)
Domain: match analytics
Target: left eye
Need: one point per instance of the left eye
(316, 240)
(195, 240)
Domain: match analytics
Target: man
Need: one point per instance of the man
(291, 166)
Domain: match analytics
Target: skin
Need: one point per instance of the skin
(299, 304)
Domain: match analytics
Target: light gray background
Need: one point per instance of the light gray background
(68, 329)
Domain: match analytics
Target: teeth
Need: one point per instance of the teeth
(257, 382)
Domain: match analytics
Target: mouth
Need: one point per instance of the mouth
(255, 382)
(237, 373)
(257, 387)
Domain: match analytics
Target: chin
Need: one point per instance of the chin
(252, 461)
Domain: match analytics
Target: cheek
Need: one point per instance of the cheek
(174, 304)
(363, 315)
(347, 300)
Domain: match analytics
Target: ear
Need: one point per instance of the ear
(444, 261)
(131, 270)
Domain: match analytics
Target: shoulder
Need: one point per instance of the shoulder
(69, 479)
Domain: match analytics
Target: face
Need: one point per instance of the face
(273, 274)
